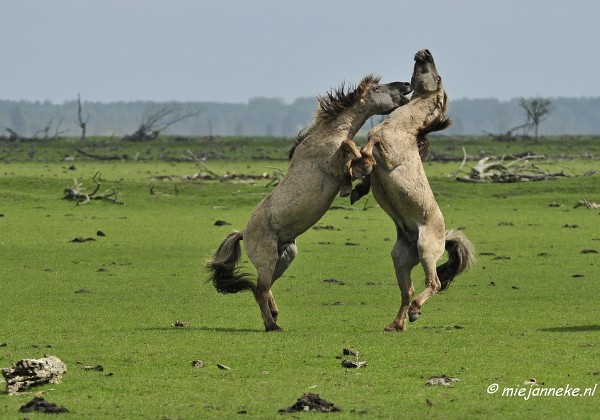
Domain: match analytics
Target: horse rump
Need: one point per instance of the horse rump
(223, 267)
(461, 256)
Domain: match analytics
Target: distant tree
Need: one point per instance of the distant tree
(83, 122)
(46, 131)
(536, 110)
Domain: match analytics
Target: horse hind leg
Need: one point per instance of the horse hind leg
(264, 298)
(264, 256)
(431, 248)
(287, 253)
(405, 257)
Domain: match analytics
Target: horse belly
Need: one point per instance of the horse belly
(407, 198)
(294, 211)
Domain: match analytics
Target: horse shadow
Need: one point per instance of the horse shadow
(572, 328)
(202, 328)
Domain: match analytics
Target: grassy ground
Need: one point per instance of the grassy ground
(527, 309)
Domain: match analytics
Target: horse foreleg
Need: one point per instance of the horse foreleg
(348, 152)
(431, 248)
(405, 258)
(364, 166)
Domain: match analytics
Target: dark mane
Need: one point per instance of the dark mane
(299, 137)
(437, 124)
(334, 102)
(436, 121)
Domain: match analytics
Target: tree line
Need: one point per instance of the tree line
(272, 117)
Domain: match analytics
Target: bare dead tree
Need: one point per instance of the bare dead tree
(15, 137)
(536, 110)
(44, 130)
(58, 132)
(82, 121)
(159, 120)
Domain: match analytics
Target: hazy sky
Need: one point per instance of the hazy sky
(233, 50)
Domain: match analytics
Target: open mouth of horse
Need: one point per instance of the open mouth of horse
(401, 90)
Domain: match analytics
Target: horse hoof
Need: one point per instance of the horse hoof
(345, 192)
(413, 317)
(355, 196)
(393, 328)
(276, 328)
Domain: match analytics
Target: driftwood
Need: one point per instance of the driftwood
(205, 176)
(588, 204)
(32, 372)
(101, 157)
(522, 169)
(76, 192)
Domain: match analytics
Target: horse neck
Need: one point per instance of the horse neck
(346, 125)
(411, 117)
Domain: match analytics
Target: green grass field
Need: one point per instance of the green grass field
(528, 309)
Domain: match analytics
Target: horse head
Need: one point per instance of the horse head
(368, 98)
(425, 79)
(384, 98)
(427, 84)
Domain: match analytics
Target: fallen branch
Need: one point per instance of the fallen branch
(277, 176)
(208, 175)
(101, 157)
(77, 193)
(522, 169)
(584, 203)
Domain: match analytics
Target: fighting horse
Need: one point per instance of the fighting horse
(393, 153)
(319, 162)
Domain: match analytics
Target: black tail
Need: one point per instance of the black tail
(223, 272)
(461, 256)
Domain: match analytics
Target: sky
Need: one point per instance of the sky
(234, 50)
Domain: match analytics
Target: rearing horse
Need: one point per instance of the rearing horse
(319, 161)
(401, 188)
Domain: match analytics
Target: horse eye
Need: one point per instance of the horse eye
(439, 79)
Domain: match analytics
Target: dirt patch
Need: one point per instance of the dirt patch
(311, 402)
(80, 239)
(334, 281)
(43, 406)
(442, 380)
